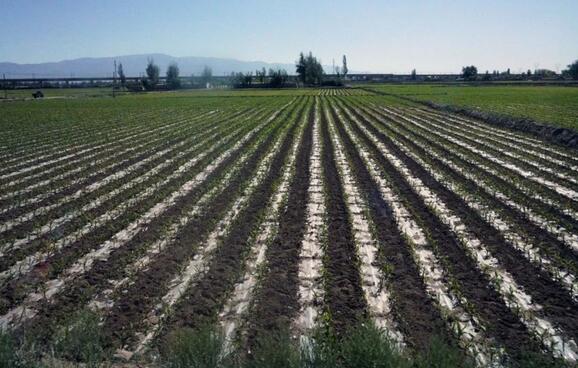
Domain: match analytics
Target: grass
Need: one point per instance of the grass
(365, 346)
(553, 105)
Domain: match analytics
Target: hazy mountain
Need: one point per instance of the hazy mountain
(134, 65)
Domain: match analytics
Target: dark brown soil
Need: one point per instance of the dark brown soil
(416, 315)
(504, 325)
(343, 293)
(276, 301)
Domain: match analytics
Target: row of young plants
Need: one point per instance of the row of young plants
(206, 275)
(510, 223)
(37, 143)
(123, 148)
(120, 143)
(466, 242)
(522, 228)
(526, 142)
(311, 268)
(168, 173)
(137, 215)
(67, 200)
(432, 269)
(546, 158)
(54, 125)
(562, 183)
(75, 142)
(561, 225)
(83, 175)
(129, 244)
(509, 181)
(81, 337)
(234, 312)
(88, 130)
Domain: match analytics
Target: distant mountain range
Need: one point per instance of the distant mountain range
(134, 66)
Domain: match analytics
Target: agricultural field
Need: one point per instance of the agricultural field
(318, 227)
(553, 105)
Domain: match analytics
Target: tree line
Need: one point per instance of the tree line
(470, 73)
(309, 72)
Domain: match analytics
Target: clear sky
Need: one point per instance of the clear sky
(394, 36)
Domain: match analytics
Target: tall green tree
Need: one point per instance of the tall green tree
(277, 78)
(121, 75)
(309, 69)
(469, 72)
(207, 75)
(173, 81)
(572, 70)
(344, 69)
(301, 68)
(153, 73)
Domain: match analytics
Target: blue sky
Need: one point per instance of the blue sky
(378, 36)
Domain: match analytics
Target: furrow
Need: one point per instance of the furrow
(451, 305)
(310, 286)
(25, 311)
(153, 305)
(377, 295)
(83, 173)
(499, 139)
(567, 192)
(504, 177)
(26, 264)
(236, 307)
(505, 151)
(518, 234)
(512, 293)
(512, 136)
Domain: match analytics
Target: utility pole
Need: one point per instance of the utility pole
(4, 85)
(114, 79)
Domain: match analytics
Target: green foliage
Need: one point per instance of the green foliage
(188, 348)
(275, 350)
(11, 355)
(309, 69)
(206, 75)
(440, 354)
(80, 339)
(242, 80)
(470, 72)
(153, 73)
(277, 78)
(344, 69)
(554, 105)
(368, 347)
(572, 70)
(121, 75)
(173, 81)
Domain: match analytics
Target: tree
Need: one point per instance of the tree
(301, 67)
(529, 72)
(207, 76)
(121, 76)
(173, 81)
(153, 72)
(572, 70)
(508, 71)
(309, 69)
(277, 78)
(344, 69)
(469, 72)
(241, 80)
(413, 75)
